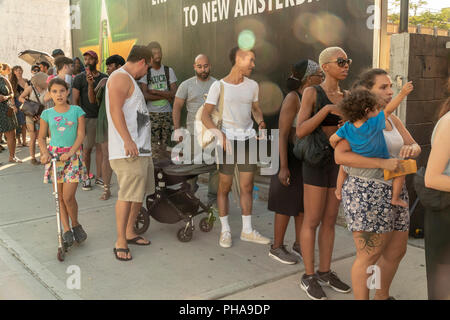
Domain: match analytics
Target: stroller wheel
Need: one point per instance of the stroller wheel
(184, 236)
(142, 221)
(205, 225)
(60, 255)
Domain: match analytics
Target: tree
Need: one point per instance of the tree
(413, 5)
(440, 19)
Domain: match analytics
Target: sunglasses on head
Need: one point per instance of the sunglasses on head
(341, 62)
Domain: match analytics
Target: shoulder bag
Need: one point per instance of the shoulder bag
(32, 108)
(434, 199)
(314, 149)
(203, 135)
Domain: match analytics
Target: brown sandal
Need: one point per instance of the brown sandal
(106, 192)
(15, 160)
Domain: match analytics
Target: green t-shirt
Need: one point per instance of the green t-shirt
(63, 126)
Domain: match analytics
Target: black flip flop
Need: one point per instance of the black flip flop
(115, 250)
(135, 241)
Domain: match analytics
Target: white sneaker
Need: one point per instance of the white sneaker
(225, 239)
(255, 237)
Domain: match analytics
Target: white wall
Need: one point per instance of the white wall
(42, 25)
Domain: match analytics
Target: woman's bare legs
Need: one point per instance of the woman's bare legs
(11, 141)
(106, 172)
(327, 230)
(99, 160)
(369, 247)
(390, 259)
(33, 136)
(280, 225)
(314, 203)
(24, 135)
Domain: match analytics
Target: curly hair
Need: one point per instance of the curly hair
(357, 104)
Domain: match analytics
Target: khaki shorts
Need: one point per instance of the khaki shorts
(91, 133)
(228, 168)
(135, 177)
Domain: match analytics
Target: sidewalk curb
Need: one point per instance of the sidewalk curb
(49, 281)
(223, 292)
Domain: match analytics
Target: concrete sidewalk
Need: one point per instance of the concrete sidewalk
(168, 269)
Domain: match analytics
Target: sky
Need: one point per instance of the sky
(436, 5)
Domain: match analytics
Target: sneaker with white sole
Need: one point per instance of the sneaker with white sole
(87, 185)
(296, 250)
(311, 286)
(282, 255)
(255, 237)
(225, 239)
(331, 279)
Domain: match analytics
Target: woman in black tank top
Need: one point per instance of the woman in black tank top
(319, 110)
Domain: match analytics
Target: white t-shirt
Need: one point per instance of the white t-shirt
(137, 118)
(159, 82)
(193, 92)
(237, 123)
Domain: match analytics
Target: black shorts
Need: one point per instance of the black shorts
(324, 176)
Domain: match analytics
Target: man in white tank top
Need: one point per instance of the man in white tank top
(129, 134)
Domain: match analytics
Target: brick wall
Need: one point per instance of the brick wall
(424, 60)
(429, 70)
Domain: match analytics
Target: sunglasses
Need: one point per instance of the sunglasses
(341, 62)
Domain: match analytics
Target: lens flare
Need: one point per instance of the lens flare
(257, 27)
(246, 40)
(300, 28)
(328, 29)
(266, 57)
(270, 98)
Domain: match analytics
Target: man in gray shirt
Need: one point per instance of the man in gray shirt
(192, 92)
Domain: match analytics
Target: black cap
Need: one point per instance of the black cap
(57, 52)
(118, 60)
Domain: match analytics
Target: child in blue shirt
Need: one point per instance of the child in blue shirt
(67, 130)
(364, 132)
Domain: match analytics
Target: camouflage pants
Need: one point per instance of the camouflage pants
(161, 132)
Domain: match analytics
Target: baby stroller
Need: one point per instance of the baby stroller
(174, 199)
